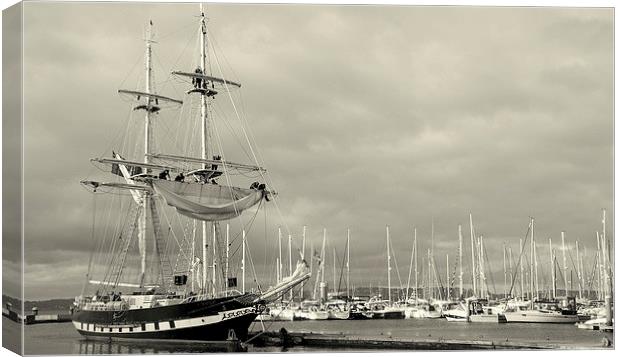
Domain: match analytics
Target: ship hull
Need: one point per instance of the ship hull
(206, 320)
(538, 317)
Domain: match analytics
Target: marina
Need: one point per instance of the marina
(422, 334)
(324, 197)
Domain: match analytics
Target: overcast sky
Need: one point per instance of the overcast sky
(365, 116)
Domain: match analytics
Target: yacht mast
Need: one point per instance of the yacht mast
(578, 269)
(552, 260)
(504, 254)
(461, 263)
(604, 253)
(473, 254)
(290, 262)
(521, 268)
(303, 257)
(348, 261)
(387, 233)
(565, 267)
(532, 260)
(280, 254)
(483, 285)
(334, 271)
(599, 267)
(410, 268)
(415, 261)
(447, 277)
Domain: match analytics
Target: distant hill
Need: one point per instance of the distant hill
(53, 305)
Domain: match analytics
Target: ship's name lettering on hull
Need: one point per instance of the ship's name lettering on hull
(232, 314)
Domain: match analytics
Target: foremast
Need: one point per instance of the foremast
(146, 200)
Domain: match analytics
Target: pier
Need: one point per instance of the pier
(34, 317)
(285, 339)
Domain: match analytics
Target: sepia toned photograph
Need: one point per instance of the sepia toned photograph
(252, 177)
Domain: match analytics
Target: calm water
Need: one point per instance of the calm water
(62, 338)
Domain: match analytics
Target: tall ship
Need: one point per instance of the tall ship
(164, 262)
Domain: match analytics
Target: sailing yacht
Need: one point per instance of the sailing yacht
(189, 298)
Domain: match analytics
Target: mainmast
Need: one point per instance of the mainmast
(204, 152)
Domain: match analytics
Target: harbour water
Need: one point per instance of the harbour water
(61, 338)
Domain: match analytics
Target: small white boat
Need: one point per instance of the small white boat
(337, 310)
(545, 312)
(595, 324)
(422, 311)
(281, 314)
(314, 314)
(457, 312)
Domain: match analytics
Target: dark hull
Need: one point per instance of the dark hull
(358, 315)
(219, 331)
(207, 320)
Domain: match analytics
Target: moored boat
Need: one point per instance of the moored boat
(141, 293)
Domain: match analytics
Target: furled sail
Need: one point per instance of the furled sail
(301, 273)
(207, 202)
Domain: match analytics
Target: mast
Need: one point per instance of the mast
(504, 254)
(552, 261)
(228, 257)
(461, 263)
(473, 253)
(193, 255)
(565, 267)
(599, 267)
(410, 268)
(290, 262)
(243, 261)
(146, 201)
(204, 125)
(348, 262)
(387, 234)
(322, 267)
(510, 265)
(303, 257)
(483, 288)
(432, 254)
(334, 272)
(608, 278)
(536, 286)
(213, 266)
(415, 261)
(522, 268)
(279, 254)
(430, 288)
(604, 253)
(578, 269)
(532, 259)
(447, 277)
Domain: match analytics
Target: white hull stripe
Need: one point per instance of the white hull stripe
(164, 325)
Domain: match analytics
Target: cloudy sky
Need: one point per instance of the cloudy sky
(365, 116)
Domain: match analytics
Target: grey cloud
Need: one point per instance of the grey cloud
(365, 116)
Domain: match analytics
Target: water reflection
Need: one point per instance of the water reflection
(85, 346)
